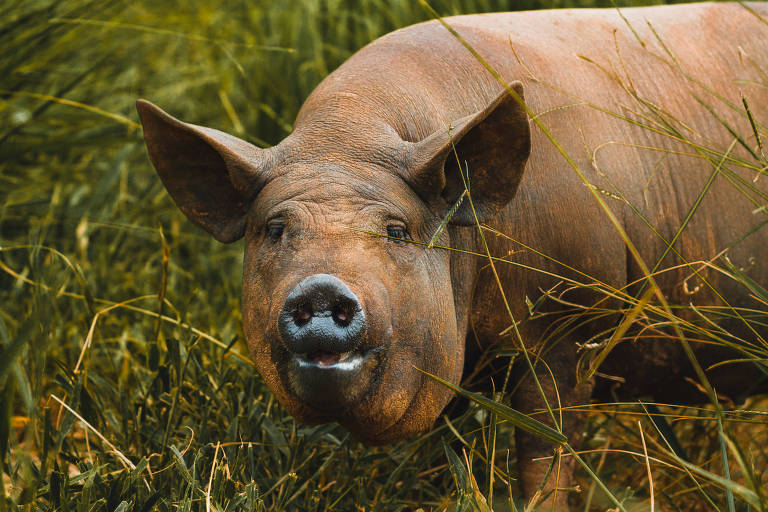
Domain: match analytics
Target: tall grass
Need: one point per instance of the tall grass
(123, 384)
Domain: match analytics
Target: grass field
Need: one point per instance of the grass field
(124, 380)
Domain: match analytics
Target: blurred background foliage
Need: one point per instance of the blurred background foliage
(92, 249)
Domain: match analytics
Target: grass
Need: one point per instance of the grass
(123, 384)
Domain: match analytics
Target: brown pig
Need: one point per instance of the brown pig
(339, 321)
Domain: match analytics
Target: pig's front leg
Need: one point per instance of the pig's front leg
(528, 399)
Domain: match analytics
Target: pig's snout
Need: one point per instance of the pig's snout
(322, 318)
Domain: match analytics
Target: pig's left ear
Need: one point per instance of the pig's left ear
(493, 144)
(212, 176)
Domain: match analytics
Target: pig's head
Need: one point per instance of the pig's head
(338, 319)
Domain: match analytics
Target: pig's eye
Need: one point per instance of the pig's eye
(274, 230)
(397, 231)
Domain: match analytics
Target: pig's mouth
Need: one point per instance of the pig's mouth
(329, 381)
(336, 360)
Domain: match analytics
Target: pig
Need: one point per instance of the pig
(345, 306)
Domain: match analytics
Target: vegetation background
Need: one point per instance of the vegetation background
(122, 380)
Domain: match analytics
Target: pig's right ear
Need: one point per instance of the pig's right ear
(212, 176)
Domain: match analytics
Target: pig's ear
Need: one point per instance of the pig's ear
(493, 144)
(212, 176)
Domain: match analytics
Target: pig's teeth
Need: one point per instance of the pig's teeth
(344, 361)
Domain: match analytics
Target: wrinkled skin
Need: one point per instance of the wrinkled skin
(371, 154)
(391, 400)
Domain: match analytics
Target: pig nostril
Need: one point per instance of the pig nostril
(342, 315)
(321, 315)
(303, 314)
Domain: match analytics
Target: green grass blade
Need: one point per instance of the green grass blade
(753, 125)
(739, 490)
(726, 470)
(9, 351)
(518, 419)
(446, 220)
